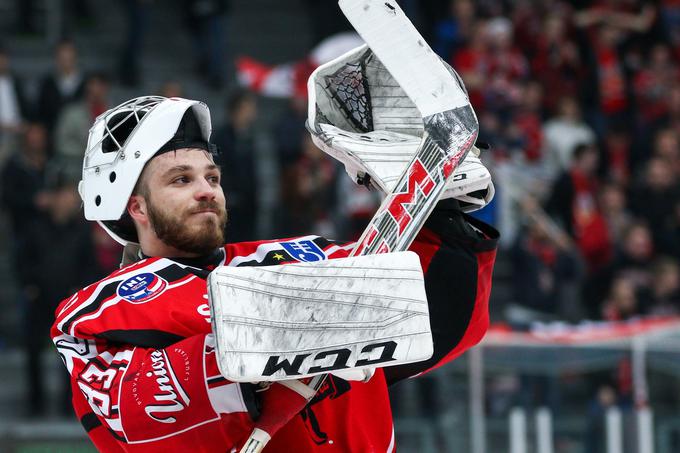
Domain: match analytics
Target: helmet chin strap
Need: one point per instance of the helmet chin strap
(121, 235)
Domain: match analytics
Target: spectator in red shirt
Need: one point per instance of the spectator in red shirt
(556, 62)
(470, 62)
(613, 202)
(452, 32)
(527, 121)
(622, 302)
(632, 261)
(506, 66)
(653, 82)
(610, 97)
(573, 202)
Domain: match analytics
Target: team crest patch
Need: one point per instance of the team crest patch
(142, 288)
(303, 250)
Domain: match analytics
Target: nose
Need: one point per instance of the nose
(205, 191)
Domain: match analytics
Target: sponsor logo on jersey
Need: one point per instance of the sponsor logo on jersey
(142, 288)
(303, 250)
(169, 396)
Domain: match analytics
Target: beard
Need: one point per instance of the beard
(174, 230)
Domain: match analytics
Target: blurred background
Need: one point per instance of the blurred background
(580, 102)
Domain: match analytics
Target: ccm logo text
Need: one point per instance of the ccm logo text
(302, 363)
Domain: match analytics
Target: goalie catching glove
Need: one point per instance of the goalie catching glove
(361, 116)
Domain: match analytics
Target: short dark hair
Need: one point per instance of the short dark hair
(142, 185)
(64, 42)
(100, 76)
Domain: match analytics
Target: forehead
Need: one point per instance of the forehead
(194, 158)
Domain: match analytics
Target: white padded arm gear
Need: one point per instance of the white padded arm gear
(274, 323)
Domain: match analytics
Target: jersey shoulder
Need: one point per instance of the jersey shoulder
(287, 250)
(137, 283)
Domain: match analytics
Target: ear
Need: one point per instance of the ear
(137, 209)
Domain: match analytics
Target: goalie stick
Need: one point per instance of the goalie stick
(450, 124)
(450, 130)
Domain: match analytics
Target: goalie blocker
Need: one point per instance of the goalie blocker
(339, 316)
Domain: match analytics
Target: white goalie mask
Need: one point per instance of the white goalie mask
(360, 115)
(120, 143)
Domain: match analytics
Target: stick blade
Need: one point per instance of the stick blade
(402, 49)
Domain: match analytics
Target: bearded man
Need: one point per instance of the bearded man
(139, 344)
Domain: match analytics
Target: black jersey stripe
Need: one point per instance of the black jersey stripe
(117, 436)
(145, 338)
(172, 273)
(106, 293)
(251, 399)
(200, 273)
(216, 379)
(322, 242)
(90, 421)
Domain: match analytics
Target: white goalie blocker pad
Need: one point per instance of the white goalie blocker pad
(290, 321)
(361, 116)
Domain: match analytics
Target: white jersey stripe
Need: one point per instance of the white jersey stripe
(390, 447)
(227, 399)
(70, 302)
(114, 423)
(334, 248)
(122, 356)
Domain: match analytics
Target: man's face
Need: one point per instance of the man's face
(184, 200)
(66, 57)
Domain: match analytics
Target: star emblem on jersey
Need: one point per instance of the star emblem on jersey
(278, 256)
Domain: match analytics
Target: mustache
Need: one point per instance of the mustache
(206, 205)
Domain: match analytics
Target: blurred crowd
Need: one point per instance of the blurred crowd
(580, 102)
(52, 250)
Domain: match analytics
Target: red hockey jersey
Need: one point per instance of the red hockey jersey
(139, 348)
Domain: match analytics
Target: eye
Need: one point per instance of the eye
(180, 180)
(213, 179)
